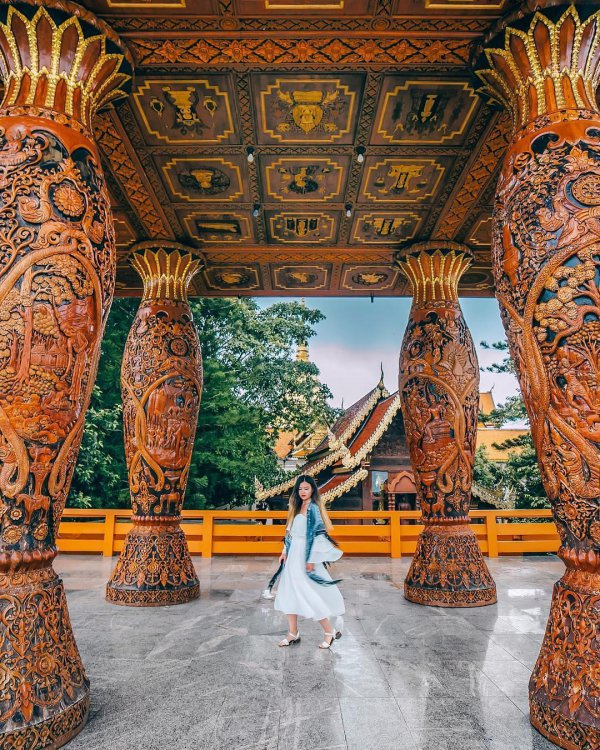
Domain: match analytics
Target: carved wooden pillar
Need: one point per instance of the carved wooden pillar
(545, 69)
(439, 390)
(57, 267)
(161, 382)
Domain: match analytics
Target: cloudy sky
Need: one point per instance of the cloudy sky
(357, 335)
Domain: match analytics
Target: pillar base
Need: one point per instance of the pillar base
(448, 569)
(563, 691)
(45, 697)
(154, 569)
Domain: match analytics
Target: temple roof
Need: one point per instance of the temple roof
(352, 437)
(486, 402)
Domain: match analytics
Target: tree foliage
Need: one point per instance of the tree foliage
(521, 471)
(252, 382)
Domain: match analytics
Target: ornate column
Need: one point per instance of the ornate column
(161, 382)
(545, 69)
(439, 390)
(57, 267)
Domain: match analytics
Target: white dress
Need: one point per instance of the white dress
(298, 594)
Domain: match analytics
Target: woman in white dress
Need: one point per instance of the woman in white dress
(306, 589)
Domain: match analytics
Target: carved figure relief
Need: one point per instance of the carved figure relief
(439, 390)
(161, 381)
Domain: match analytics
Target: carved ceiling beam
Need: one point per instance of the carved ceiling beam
(126, 169)
(361, 51)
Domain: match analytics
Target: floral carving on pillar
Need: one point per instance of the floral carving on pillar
(439, 390)
(161, 382)
(545, 69)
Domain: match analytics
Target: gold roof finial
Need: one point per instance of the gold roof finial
(302, 350)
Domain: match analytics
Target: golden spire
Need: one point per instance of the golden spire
(302, 350)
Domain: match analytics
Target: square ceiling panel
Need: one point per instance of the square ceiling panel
(384, 227)
(148, 7)
(314, 7)
(301, 277)
(402, 179)
(307, 109)
(373, 279)
(299, 227)
(186, 110)
(224, 278)
(307, 178)
(423, 111)
(219, 227)
(219, 179)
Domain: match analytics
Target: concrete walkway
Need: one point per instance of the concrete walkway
(208, 675)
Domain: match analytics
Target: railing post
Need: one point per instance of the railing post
(395, 535)
(492, 534)
(207, 534)
(109, 533)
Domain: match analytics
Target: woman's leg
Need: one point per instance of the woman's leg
(293, 624)
(325, 624)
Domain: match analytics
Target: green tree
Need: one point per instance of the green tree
(487, 473)
(252, 381)
(521, 472)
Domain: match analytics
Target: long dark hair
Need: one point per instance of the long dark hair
(296, 502)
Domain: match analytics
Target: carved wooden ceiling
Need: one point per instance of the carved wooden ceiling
(303, 85)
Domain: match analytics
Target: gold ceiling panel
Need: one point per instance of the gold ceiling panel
(401, 180)
(186, 110)
(466, 4)
(422, 111)
(205, 180)
(301, 277)
(319, 7)
(302, 227)
(373, 279)
(385, 227)
(232, 278)
(148, 8)
(306, 178)
(307, 109)
(481, 233)
(218, 227)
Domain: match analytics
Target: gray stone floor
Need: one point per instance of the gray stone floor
(208, 675)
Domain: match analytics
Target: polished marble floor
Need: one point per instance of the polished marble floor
(208, 675)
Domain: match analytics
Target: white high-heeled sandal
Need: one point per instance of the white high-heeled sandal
(290, 641)
(334, 637)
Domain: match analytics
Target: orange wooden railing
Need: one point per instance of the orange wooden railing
(233, 532)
